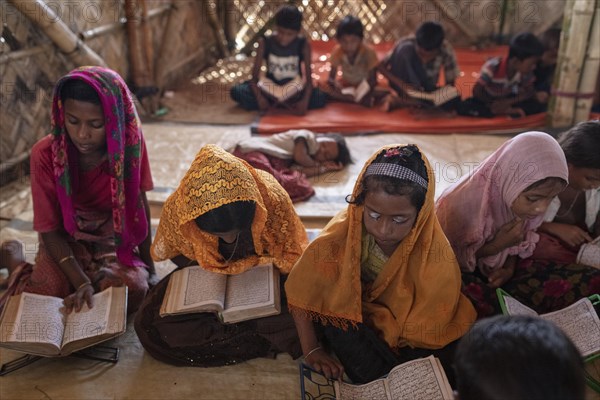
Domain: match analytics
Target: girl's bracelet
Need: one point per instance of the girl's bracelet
(84, 284)
(312, 351)
(62, 260)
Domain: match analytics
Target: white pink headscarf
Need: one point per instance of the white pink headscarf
(472, 210)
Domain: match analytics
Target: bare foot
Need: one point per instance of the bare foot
(11, 255)
(386, 103)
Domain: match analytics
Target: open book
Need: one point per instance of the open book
(589, 253)
(37, 324)
(251, 294)
(578, 321)
(437, 97)
(420, 379)
(359, 91)
(281, 92)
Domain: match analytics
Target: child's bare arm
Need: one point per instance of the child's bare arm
(509, 234)
(572, 235)
(331, 80)
(301, 156)
(314, 354)
(372, 78)
(383, 68)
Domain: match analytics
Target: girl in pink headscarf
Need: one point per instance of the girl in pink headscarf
(88, 183)
(490, 218)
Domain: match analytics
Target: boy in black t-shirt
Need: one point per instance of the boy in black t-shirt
(287, 55)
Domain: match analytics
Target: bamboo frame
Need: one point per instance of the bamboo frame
(576, 26)
(589, 73)
(46, 19)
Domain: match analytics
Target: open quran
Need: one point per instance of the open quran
(437, 97)
(37, 324)
(420, 379)
(578, 321)
(252, 294)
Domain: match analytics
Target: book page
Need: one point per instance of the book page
(281, 92)
(419, 379)
(252, 287)
(374, 390)
(514, 307)
(38, 320)
(203, 287)
(580, 323)
(589, 253)
(89, 322)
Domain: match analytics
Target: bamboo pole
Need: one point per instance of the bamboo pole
(168, 36)
(576, 27)
(46, 19)
(216, 28)
(589, 73)
(138, 72)
(104, 29)
(32, 51)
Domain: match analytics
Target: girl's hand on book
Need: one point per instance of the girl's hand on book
(83, 295)
(572, 235)
(322, 362)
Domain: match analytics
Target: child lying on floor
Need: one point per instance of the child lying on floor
(293, 156)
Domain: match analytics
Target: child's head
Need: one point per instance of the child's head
(429, 37)
(581, 144)
(229, 220)
(393, 191)
(518, 357)
(333, 147)
(83, 116)
(349, 34)
(550, 40)
(535, 199)
(524, 52)
(288, 20)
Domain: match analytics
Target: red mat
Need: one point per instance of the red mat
(351, 118)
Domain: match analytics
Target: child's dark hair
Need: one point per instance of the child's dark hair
(525, 45)
(405, 156)
(344, 156)
(289, 17)
(430, 35)
(77, 89)
(518, 357)
(553, 179)
(550, 38)
(581, 144)
(349, 25)
(232, 216)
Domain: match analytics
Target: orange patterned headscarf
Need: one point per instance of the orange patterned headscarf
(415, 300)
(214, 179)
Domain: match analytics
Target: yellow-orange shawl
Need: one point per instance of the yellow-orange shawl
(216, 178)
(415, 300)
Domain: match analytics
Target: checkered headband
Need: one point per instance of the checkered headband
(395, 171)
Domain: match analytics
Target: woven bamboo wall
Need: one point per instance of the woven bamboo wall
(184, 41)
(466, 22)
(30, 64)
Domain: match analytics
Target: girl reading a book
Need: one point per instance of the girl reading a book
(490, 217)
(572, 219)
(226, 217)
(380, 285)
(88, 184)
